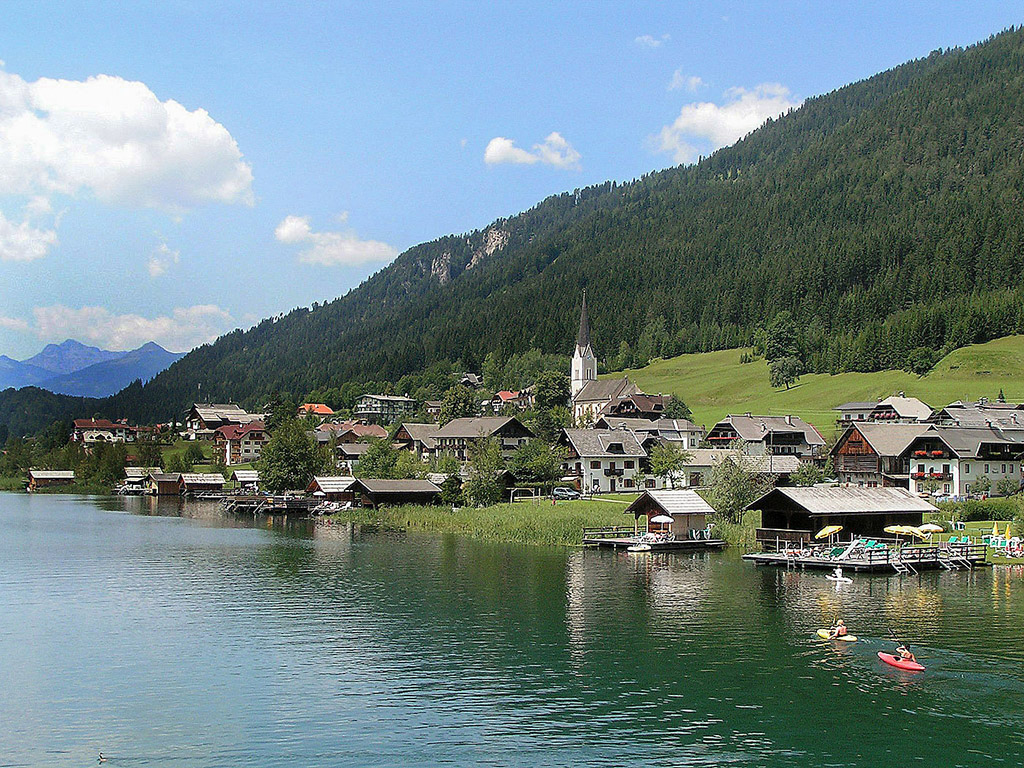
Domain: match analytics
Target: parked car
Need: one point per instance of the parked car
(565, 493)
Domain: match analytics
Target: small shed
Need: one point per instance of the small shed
(689, 512)
(163, 484)
(135, 477)
(333, 488)
(200, 482)
(48, 478)
(377, 493)
(795, 514)
(247, 479)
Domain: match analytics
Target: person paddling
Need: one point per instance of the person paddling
(903, 650)
(838, 630)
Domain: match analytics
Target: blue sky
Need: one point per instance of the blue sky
(170, 172)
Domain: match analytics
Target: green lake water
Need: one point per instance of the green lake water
(175, 637)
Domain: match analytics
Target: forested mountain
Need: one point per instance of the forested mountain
(886, 216)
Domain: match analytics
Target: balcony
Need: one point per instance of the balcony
(612, 472)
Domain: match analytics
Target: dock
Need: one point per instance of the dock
(621, 537)
(902, 560)
(268, 505)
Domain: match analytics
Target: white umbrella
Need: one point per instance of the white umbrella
(319, 493)
(662, 519)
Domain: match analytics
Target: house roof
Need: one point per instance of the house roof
(885, 439)
(784, 464)
(389, 398)
(139, 472)
(681, 502)
(966, 442)
(601, 390)
(165, 477)
(640, 401)
(847, 500)
(237, 431)
(245, 475)
(99, 424)
(224, 412)
(596, 443)
(754, 428)
(353, 449)
(52, 474)
(331, 484)
(396, 486)
(505, 395)
(1005, 415)
(318, 409)
(423, 433)
(907, 407)
(855, 406)
(469, 428)
(647, 425)
(202, 478)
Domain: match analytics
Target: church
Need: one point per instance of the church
(593, 397)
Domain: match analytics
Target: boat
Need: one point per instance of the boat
(824, 634)
(839, 579)
(896, 661)
(639, 547)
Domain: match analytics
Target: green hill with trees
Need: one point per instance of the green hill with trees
(884, 216)
(717, 383)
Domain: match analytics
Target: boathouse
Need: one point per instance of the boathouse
(379, 493)
(199, 483)
(334, 488)
(163, 484)
(794, 515)
(47, 478)
(689, 512)
(246, 479)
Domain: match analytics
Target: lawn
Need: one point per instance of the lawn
(715, 384)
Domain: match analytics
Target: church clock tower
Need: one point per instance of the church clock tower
(584, 362)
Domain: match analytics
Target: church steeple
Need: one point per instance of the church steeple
(583, 337)
(584, 361)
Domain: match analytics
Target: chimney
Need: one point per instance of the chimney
(789, 420)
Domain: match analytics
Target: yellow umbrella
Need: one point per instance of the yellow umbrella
(895, 529)
(1007, 530)
(916, 532)
(828, 530)
(995, 529)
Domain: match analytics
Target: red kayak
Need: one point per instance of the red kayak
(896, 661)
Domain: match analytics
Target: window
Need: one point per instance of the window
(627, 483)
(967, 469)
(649, 482)
(628, 464)
(986, 469)
(920, 468)
(945, 488)
(595, 465)
(1003, 470)
(945, 469)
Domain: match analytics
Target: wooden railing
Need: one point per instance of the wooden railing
(609, 532)
(782, 535)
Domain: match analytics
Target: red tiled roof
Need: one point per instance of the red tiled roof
(505, 395)
(320, 409)
(236, 431)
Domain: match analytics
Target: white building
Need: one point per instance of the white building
(605, 460)
(951, 460)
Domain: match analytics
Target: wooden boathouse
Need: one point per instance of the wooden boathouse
(688, 529)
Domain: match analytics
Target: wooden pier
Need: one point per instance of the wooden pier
(622, 537)
(269, 505)
(902, 560)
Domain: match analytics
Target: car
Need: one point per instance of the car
(565, 493)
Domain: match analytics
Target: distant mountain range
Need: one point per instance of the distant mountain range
(73, 368)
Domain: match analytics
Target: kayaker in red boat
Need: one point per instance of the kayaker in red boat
(905, 654)
(838, 629)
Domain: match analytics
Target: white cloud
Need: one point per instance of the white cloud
(115, 139)
(24, 242)
(331, 248)
(13, 323)
(554, 150)
(162, 259)
(650, 41)
(718, 125)
(681, 82)
(183, 329)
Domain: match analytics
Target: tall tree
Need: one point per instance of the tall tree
(457, 403)
(291, 458)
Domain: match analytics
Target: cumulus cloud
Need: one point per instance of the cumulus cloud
(162, 259)
(681, 82)
(331, 248)
(650, 41)
(554, 150)
(114, 139)
(713, 126)
(181, 330)
(21, 241)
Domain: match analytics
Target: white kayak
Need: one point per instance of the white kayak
(639, 548)
(839, 579)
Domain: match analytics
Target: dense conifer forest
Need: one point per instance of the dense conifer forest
(886, 217)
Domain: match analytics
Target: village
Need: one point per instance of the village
(882, 473)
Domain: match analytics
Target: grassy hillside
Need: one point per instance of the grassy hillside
(716, 383)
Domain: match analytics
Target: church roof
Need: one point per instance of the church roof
(604, 390)
(583, 337)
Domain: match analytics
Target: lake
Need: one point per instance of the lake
(171, 636)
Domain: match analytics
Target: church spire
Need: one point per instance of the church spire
(583, 338)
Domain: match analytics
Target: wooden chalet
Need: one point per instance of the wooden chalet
(101, 431)
(203, 419)
(776, 435)
(456, 437)
(872, 454)
(379, 493)
(794, 515)
(247, 480)
(418, 438)
(49, 478)
(332, 488)
(163, 484)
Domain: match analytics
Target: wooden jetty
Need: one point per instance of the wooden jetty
(622, 537)
(903, 560)
(269, 505)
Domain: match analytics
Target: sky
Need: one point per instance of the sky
(172, 171)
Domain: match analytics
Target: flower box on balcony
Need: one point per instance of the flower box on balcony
(920, 453)
(937, 453)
